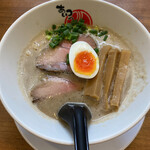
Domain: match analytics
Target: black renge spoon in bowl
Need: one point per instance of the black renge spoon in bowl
(76, 116)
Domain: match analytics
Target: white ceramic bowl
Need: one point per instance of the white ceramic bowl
(40, 18)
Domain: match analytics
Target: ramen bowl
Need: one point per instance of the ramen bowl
(39, 18)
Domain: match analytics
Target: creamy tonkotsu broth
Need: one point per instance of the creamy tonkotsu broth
(30, 76)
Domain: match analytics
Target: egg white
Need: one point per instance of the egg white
(77, 48)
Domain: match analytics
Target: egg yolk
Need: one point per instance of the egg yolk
(85, 63)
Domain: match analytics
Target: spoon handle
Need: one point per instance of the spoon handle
(80, 131)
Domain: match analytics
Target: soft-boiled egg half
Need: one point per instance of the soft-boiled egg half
(83, 60)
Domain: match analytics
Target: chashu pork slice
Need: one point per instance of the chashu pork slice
(88, 39)
(65, 44)
(82, 37)
(53, 60)
(53, 86)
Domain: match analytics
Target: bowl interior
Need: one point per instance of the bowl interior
(40, 18)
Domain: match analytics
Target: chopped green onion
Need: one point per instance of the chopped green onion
(67, 59)
(62, 35)
(62, 25)
(53, 26)
(80, 31)
(69, 26)
(74, 22)
(48, 37)
(71, 31)
(83, 28)
(66, 32)
(75, 29)
(96, 50)
(74, 40)
(80, 24)
(93, 31)
(56, 38)
(105, 32)
(57, 31)
(52, 45)
(56, 43)
(47, 32)
(81, 20)
(102, 33)
(61, 38)
(63, 29)
(74, 35)
(105, 37)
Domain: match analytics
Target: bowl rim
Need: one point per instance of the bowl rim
(133, 123)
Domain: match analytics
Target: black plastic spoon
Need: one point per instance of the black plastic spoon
(76, 115)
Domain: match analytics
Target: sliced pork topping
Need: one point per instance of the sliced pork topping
(82, 37)
(53, 60)
(65, 44)
(53, 86)
(88, 39)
